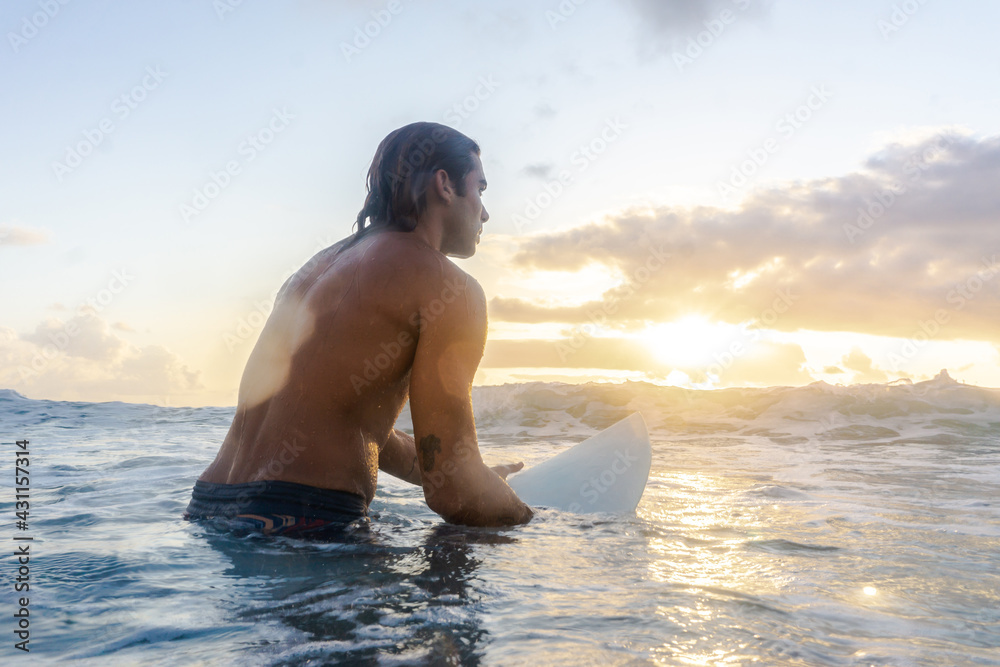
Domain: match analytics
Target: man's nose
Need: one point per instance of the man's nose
(485, 216)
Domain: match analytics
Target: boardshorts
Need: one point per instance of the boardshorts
(274, 507)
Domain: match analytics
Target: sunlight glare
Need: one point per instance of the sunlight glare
(690, 342)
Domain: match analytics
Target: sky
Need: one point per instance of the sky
(701, 193)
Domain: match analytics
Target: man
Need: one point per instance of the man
(376, 318)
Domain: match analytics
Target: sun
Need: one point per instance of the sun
(690, 342)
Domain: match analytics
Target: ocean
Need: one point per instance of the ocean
(816, 525)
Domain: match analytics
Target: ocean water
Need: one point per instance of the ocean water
(818, 525)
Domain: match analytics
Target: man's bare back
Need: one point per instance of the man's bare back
(343, 316)
(361, 328)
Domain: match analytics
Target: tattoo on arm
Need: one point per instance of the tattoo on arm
(429, 446)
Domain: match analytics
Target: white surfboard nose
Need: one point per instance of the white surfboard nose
(604, 473)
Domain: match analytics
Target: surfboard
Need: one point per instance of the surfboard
(604, 473)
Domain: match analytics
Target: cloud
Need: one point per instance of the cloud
(579, 352)
(541, 171)
(666, 24)
(82, 359)
(769, 364)
(12, 236)
(864, 370)
(681, 14)
(762, 363)
(153, 370)
(83, 336)
(544, 110)
(819, 255)
(519, 310)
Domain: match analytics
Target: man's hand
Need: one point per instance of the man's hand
(506, 469)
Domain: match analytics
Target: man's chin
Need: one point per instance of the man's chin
(462, 253)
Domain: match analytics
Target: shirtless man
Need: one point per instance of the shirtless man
(377, 318)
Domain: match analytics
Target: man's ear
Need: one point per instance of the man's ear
(442, 185)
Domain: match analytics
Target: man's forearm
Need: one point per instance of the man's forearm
(399, 457)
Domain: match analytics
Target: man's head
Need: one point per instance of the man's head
(461, 216)
(404, 168)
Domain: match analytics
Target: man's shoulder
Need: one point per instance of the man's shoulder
(424, 270)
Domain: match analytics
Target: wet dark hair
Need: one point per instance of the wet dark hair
(402, 168)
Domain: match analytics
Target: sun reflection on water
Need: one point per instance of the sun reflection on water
(704, 547)
(702, 550)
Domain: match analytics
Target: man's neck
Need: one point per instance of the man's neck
(430, 230)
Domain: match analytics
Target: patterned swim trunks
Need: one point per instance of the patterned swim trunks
(274, 507)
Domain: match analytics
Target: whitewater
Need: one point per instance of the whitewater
(816, 525)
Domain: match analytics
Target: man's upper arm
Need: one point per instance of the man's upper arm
(450, 342)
